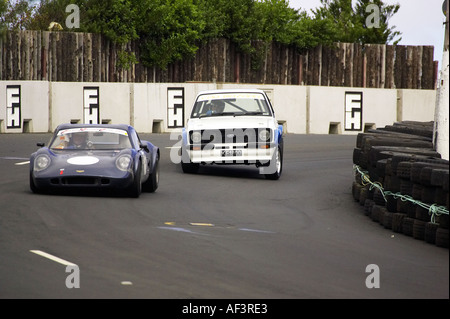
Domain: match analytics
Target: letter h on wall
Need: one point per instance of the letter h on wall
(91, 105)
(13, 107)
(353, 111)
(175, 107)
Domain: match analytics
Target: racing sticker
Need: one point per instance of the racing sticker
(353, 111)
(91, 105)
(175, 107)
(13, 107)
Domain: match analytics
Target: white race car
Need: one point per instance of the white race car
(233, 127)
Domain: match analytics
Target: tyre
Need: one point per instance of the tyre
(404, 170)
(363, 195)
(276, 165)
(422, 214)
(378, 197)
(391, 204)
(387, 219)
(356, 156)
(443, 221)
(418, 229)
(356, 191)
(430, 232)
(397, 222)
(417, 191)
(152, 183)
(428, 194)
(33, 186)
(368, 207)
(438, 177)
(381, 167)
(442, 237)
(186, 165)
(407, 226)
(135, 189)
(377, 213)
(406, 187)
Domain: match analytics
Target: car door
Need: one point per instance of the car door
(143, 154)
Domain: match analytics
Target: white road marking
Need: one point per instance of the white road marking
(256, 230)
(201, 224)
(170, 147)
(53, 258)
(126, 283)
(13, 158)
(22, 163)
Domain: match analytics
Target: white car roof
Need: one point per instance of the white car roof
(231, 91)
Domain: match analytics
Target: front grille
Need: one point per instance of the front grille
(248, 135)
(79, 180)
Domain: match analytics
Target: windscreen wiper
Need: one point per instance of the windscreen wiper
(217, 114)
(249, 113)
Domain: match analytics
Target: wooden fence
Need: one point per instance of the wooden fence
(85, 57)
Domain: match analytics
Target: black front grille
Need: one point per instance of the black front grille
(79, 180)
(248, 135)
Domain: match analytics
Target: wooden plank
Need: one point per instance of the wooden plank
(427, 67)
(389, 67)
(408, 72)
(418, 51)
(400, 59)
(67, 56)
(348, 64)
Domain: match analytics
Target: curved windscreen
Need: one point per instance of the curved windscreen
(91, 138)
(230, 104)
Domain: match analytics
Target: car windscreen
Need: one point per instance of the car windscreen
(91, 138)
(230, 104)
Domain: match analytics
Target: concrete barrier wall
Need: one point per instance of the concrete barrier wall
(39, 106)
(24, 106)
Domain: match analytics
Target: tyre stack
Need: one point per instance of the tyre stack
(400, 159)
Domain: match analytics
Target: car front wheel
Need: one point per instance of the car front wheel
(276, 165)
(153, 180)
(136, 187)
(186, 165)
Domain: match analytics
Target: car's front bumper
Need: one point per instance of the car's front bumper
(231, 154)
(83, 181)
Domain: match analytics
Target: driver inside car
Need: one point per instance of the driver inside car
(78, 141)
(216, 107)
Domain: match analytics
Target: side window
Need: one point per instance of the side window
(138, 139)
(135, 139)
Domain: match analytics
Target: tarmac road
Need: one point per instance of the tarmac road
(225, 232)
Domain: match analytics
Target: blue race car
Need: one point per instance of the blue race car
(103, 156)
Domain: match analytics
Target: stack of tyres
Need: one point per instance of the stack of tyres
(401, 159)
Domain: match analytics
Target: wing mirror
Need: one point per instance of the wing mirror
(144, 147)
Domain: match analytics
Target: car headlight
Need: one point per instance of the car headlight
(123, 162)
(264, 135)
(41, 162)
(196, 137)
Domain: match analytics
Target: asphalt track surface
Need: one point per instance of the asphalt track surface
(225, 232)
